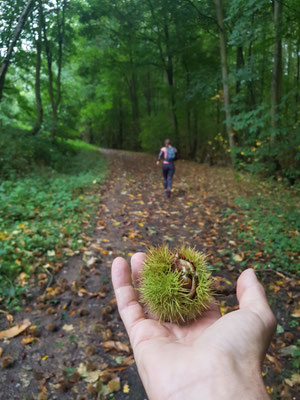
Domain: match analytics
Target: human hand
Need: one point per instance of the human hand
(213, 358)
(157, 162)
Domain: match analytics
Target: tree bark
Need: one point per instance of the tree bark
(167, 62)
(219, 9)
(239, 65)
(18, 30)
(297, 82)
(251, 93)
(55, 100)
(277, 66)
(170, 75)
(38, 98)
(148, 93)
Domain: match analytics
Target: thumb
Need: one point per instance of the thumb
(251, 295)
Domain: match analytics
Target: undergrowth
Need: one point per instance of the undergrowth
(42, 214)
(271, 230)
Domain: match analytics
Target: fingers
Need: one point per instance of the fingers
(251, 295)
(130, 310)
(136, 265)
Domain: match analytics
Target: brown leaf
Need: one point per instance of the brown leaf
(28, 340)
(128, 360)
(82, 291)
(296, 313)
(15, 330)
(274, 361)
(1, 352)
(9, 317)
(118, 346)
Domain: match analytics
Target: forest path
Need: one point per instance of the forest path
(82, 350)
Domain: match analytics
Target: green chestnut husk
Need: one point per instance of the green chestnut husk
(175, 286)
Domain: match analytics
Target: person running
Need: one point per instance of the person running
(169, 154)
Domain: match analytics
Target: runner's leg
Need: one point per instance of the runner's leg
(170, 176)
(165, 175)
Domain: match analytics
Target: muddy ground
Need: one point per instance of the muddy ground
(77, 347)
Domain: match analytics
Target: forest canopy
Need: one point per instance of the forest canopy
(221, 78)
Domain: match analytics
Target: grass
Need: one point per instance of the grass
(42, 216)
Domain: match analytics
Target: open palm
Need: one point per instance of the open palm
(175, 362)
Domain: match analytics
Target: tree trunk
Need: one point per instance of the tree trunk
(18, 30)
(297, 82)
(219, 9)
(60, 35)
(170, 75)
(277, 66)
(251, 93)
(121, 123)
(38, 98)
(239, 65)
(148, 93)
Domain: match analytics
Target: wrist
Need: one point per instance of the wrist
(226, 380)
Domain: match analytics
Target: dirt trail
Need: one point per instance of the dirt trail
(76, 320)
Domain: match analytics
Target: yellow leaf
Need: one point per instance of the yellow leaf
(44, 358)
(130, 254)
(237, 258)
(28, 340)
(126, 389)
(114, 385)
(141, 224)
(223, 310)
(15, 330)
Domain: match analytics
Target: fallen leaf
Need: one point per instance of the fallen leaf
(44, 358)
(126, 389)
(28, 340)
(9, 317)
(274, 361)
(237, 258)
(1, 352)
(118, 346)
(223, 310)
(114, 385)
(294, 380)
(296, 313)
(289, 350)
(68, 328)
(81, 292)
(15, 330)
(128, 360)
(91, 261)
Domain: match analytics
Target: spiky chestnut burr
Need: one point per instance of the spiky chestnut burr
(175, 286)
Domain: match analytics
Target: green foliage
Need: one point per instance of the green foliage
(155, 129)
(42, 214)
(20, 152)
(273, 223)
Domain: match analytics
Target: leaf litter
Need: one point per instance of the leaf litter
(88, 350)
